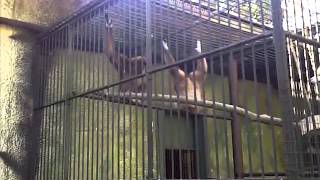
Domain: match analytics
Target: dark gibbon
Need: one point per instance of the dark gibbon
(188, 85)
(125, 66)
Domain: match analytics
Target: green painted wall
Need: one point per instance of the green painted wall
(87, 117)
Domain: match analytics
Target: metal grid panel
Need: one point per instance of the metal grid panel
(92, 129)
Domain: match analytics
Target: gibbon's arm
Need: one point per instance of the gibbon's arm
(115, 59)
(122, 63)
(169, 59)
(202, 67)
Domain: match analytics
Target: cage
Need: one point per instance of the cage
(181, 89)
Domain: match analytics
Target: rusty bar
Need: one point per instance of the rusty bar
(235, 123)
(292, 169)
(149, 89)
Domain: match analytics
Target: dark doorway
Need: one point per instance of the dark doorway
(180, 164)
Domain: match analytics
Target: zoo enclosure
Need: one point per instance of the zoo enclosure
(259, 110)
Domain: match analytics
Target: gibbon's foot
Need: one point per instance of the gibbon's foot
(108, 20)
(165, 45)
(316, 77)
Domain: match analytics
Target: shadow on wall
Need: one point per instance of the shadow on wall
(19, 130)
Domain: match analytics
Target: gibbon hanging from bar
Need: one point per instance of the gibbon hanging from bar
(188, 86)
(125, 66)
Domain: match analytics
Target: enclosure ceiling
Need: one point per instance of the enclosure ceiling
(170, 22)
(179, 27)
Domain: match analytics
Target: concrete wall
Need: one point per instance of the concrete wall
(18, 129)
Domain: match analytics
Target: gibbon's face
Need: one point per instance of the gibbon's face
(316, 77)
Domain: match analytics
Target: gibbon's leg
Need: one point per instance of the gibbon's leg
(199, 75)
(169, 59)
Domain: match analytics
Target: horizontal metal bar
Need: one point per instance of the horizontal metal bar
(281, 174)
(302, 39)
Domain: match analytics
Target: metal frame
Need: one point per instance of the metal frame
(92, 130)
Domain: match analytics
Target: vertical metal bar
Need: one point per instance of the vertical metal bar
(245, 106)
(73, 128)
(48, 96)
(124, 105)
(45, 155)
(143, 128)
(82, 88)
(93, 84)
(135, 44)
(179, 164)
(149, 89)
(105, 81)
(70, 70)
(161, 148)
(118, 91)
(187, 113)
(101, 36)
(50, 142)
(235, 123)
(56, 80)
(99, 104)
(61, 107)
(42, 75)
(112, 132)
(130, 7)
(51, 96)
(43, 132)
(224, 116)
(269, 92)
(172, 163)
(38, 175)
(87, 87)
(67, 120)
(77, 103)
(196, 127)
(255, 79)
(215, 124)
(285, 99)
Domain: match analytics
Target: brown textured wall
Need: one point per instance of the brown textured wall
(18, 57)
(16, 99)
(39, 11)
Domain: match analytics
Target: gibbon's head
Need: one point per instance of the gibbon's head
(316, 77)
